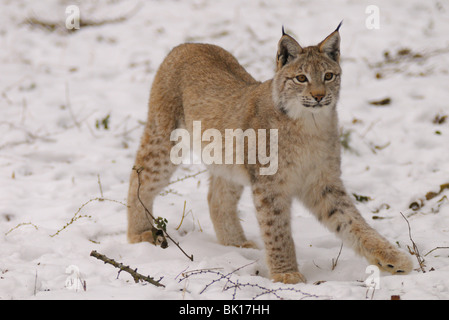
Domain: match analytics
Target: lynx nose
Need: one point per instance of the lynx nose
(318, 96)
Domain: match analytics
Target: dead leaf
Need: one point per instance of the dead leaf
(382, 102)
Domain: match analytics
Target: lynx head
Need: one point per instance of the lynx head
(307, 79)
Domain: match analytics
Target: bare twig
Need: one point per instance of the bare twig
(136, 276)
(154, 221)
(59, 25)
(31, 137)
(20, 225)
(76, 216)
(187, 177)
(237, 285)
(415, 250)
(225, 276)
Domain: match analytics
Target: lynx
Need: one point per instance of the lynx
(203, 82)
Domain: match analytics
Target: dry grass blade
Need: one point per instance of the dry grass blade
(335, 261)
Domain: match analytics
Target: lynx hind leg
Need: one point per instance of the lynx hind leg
(153, 156)
(335, 209)
(223, 199)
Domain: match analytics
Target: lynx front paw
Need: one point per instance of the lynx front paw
(391, 260)
(289, 278)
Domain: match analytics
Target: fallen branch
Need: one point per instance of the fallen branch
(136, 276)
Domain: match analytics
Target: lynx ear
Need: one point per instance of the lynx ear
(331, 45)
(288, 50)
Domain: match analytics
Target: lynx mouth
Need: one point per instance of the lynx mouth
(316, 105)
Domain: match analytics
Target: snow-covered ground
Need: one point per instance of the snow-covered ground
(72, 107)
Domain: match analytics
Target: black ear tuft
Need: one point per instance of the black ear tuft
(288, 50)
(339, 25)
(331, 45)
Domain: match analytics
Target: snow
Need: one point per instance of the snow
(57, 86)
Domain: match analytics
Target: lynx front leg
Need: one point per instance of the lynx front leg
(273, 215)
(336, 211)
(223, 198)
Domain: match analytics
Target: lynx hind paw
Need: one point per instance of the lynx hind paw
(148, 236)
(289, 278)
(248, 244)
(393, 261)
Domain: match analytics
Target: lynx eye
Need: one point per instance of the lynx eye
(328, 76)
(300, 79)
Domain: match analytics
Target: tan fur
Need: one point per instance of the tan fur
(201, 82)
